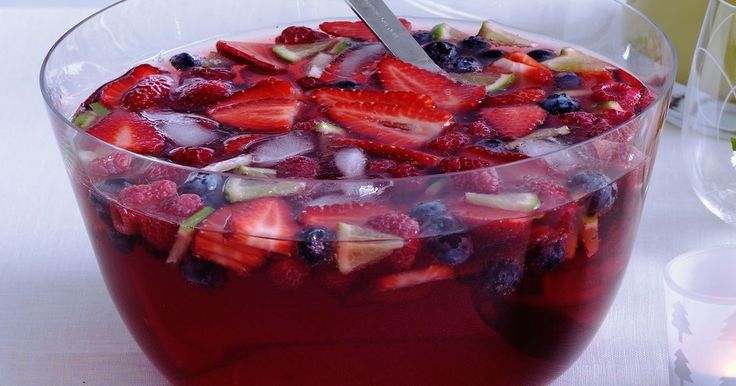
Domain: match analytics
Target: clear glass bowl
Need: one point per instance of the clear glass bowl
(202, 324)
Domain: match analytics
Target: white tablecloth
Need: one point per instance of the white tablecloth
(59, 327)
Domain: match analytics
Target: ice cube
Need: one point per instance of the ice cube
(184, 129)
(351, 162)
(270, 152)
(539, 147)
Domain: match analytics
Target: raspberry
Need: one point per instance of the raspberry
(647, 98)
(592, 79)
(449, 143)
(481, 181)
(160, 234)
(192, 155)
(381, 167)
(548, 191)
(578, 120)
(125, 221)
(310, 83)
(297, 167)
(519, 97)
(404, 170)
(183, 206)
(239, 143)
(210, 73)
(627, 96)
(287, 273)
(157, 172)
(300, 35)
(309, 125)
(403, 226)
(148, 93)
(141, 196)
(615, 117)
(200, 93)
(482, 130)
(111, 165)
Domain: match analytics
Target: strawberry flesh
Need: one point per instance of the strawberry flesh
(392, 152)
(266, 115)
(514, 122)
(129, 131)
(258, 56)
(111, 95)
(355, 30)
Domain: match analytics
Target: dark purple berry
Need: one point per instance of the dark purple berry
(501, 277)
(474, 44)
(542, 55)
(559, 104)
(185, 61)
(345, 84)
(441, 52)
(491, 56)
(546, 256)
(315, 246)
(568, 81)
(427, 211)
(452, 249)
(600, 190)
(464, 64)
(423, 37)
(203, 273)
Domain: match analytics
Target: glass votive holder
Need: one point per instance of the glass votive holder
(701, 317)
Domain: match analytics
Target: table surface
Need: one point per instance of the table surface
(58, 326)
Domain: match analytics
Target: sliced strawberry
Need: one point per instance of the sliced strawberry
(414, 278)
(270, 88)
(626, 95)
(258, 56)
(448, 94)
(111, 95)
(480, 215)
(333, 96)
(300, 35)
(406, 125)
(129, 131)
(393, 152)
(273, 115)
(593, 78)
(354, 29)
(517, 97)
(211, 73)
(148, 93)
(197, 94)
(357, 64)
(403, 226)
(196, 156)
(514, 122)
(211, 243)
(239, 143)
(265, 223)
(449, 143)
(328, 216)
(493, 151)
(522, 64)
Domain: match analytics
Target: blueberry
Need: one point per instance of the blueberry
(542, 55)
(600, 189)
(568, 81)
(545, 257)
(185, 61)
(427, 211)
(474, 43)
(452, 249)
(440, 225)
(491, 55)
(100, 202)
(501, 277)
(206, 185)
(121, 242)
(464, 64)
(560, 104)
(346, 84)
(441, 52)
(203, 273)
(423, 37)
(494, 145)
(315, 246)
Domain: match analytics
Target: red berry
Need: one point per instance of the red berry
(550, 193)
(143, 196)
(647, 98)
(148, 93)
(380, 167)
(482, 130)
(125, 221)
(300, 35)
(192, 155)
(460, 164)
(309, 125)
(240, 143)
(578, 119)
(627, 96)
(183, 206)
(110, 165)
(449, 143)
(518, 97)
(404, 170)
(200, 93)
(287, 273)
(482, 181)
(403, 226)
(615, 117)
(166, 171)
(160, 234)
(210, 73)
(297, 167)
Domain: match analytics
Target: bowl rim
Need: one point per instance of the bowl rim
(667, 87)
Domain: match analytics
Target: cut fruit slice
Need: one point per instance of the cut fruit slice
(85, 119)
(259, 56)
(185, 235)
(269, 88)
(572, 60)
(539, 135)
(358, 247)
(499, 37)
(448, 94)
(295, 52)
(316, 67)
(396, 153)
(255, 172)
(525, 67)
(265, 223)
(271, 115)
(111, 95)
(340, 46)
(354, 29)
(230, 164)
(333, 96)
(413, 278)
(514, 121)
(129, 131)
(444, 31)
(328, 216)
(517, 202)
(240, 189)
(590, 237)
(357, 64)
(409, 126)
(492, 82)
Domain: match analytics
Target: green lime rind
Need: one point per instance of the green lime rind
(240, 189)
(230, 164)
(498, 36)
(517, 202)
(539, 135)
(572, 60)
(358, 247)
(251, 171)
(340, 46)
(85, 119)
(99, 109)
(295, 52)
(733, 143)
(185, 235)
(444, 31)
(327, 128)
